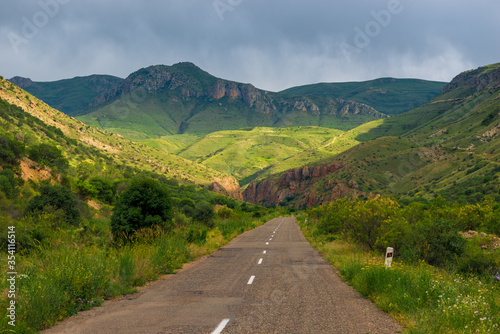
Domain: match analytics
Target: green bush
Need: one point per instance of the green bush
(53, 198)
(145, 203)
(197, 234)
(205, 213)
(475, 261)
(8, 183)
(11, 150)
(225, 212)
(362, 221)
(437, 242)
(47, 155)
(85, 189)
(105, 189)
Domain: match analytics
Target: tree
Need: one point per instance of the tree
(145, 203)
(205, 213)
(106, 190)
(47, 155)
(56, 198)
(8, 183)
(11, 150)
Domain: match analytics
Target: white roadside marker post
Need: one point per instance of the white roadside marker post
(389, 253)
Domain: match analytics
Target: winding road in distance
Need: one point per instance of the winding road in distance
(268, 280)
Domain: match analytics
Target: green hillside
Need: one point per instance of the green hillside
(168, 100)
(114, 146)
(387, 95)
(70, 95)
(247, 153)
(251, 154)
(92, 216)
(448, 147)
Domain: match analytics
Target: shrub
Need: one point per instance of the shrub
(8, 183)
(11, 150)
(205, 213)
(84, 170)
(436, 242)
(180, 219)
(493, 226)
(225, 212)
(197, 235)
(361, 220)
(475, 261)
(85, 189)
(47, 155)
(105, 189)
(56, 198)
(146, 203)
(471, 216)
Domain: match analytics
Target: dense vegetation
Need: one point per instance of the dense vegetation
(440, 281)
(90, 229)
(93, 222)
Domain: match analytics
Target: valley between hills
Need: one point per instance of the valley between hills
(108, 184)
(403, 137)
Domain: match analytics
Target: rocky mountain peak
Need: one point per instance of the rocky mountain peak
(481, 78)
(22, 82)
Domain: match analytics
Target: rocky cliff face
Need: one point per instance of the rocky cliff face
(304, 184)
(190, 82)
(479, 78)
(227, 186)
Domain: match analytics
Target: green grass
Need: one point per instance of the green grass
(420, 297)
(75, 269)
(249, 152)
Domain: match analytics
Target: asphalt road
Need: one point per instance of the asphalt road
(269, 280)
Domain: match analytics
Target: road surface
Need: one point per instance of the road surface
(268, 280)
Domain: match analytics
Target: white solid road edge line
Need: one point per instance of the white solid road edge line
(221, 326)
(250, 281)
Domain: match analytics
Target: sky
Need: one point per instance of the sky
(272, 44)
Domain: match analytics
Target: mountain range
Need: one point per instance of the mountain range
(167, 100)
(449, 147)
(299, 148)
(100, 147)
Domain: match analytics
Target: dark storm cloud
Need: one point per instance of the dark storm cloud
(272, 44)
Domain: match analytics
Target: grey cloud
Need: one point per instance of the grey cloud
(272, 44)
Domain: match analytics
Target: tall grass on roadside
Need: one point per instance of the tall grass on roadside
(421, 297)
(59, 283)
(72, 269)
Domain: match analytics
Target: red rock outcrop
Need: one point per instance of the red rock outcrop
(228, 186)
(301, 183)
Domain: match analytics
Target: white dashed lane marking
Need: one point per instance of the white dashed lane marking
(221, 326)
